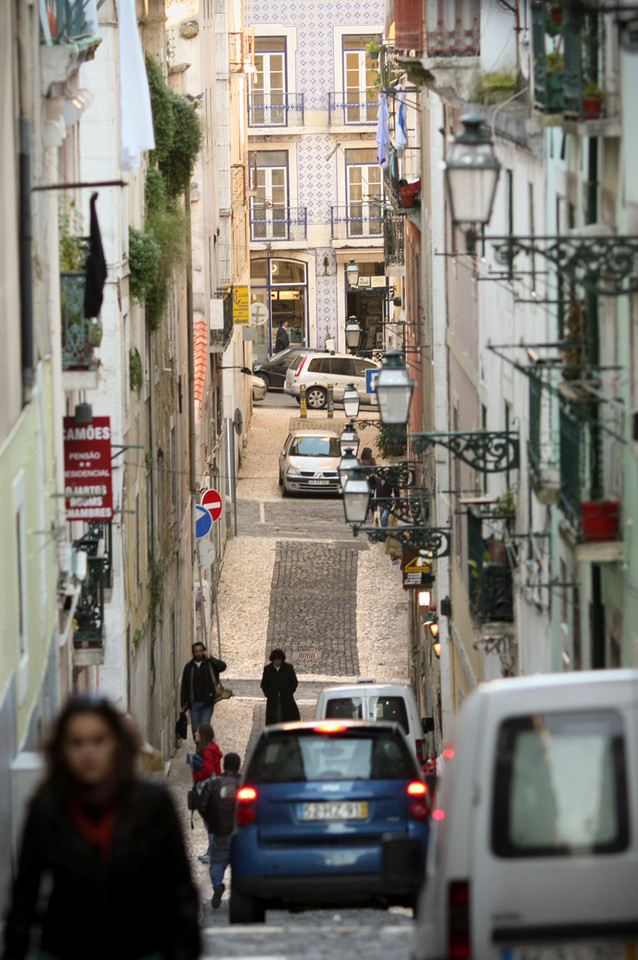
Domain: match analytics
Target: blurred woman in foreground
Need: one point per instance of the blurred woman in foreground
(102, 871)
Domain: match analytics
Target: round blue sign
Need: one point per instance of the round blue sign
(203, 522)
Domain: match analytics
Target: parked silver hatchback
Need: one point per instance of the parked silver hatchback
(316, 371)
(309, 462)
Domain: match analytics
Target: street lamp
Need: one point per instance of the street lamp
(352, 274)
(353, 334)
(347, 463)
(351, 401)
(356, 495)
(394, 390)
(349, 439)
(433, 628)
(471, 172)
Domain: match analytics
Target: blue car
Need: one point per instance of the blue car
(327, 812)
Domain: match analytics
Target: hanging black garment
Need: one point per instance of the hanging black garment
(95, 267)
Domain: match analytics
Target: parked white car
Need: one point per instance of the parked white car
(534, 844)
(367, 700)
(317, 370)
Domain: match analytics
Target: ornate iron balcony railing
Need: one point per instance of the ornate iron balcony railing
(355, 107)
(277, 222)
(63, 20)
(80, 336)
(275, 110)
(356, 221)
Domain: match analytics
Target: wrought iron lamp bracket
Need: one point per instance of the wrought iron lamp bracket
(401, 475)
(488, 451)
(433, 542)
(604, 265)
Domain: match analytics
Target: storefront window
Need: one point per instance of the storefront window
(281, 286)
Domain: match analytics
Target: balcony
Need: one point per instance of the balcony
(275, 110)
(592, 523)
(357, 221)
(80, 336)
(570, 70)
(450, 28)
(219, 339)
(353, 108)
(66, 42)
(490, 563)
(393, 243)
(542, 447)
(274, 222)
(88, 636)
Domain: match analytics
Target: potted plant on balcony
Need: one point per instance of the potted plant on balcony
(373, 48)
(593, 97)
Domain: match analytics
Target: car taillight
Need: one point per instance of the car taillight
(301, 365)
(329, 726)
(418, 808)
(459, 920)
(419, 751)
(245, 811)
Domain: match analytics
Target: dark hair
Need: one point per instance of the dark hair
(206, 736)
(127, 745)
(198, 643)
(232, 761)
(277, 654)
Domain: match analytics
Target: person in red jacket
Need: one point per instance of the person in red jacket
(206, 762)
(210, 753)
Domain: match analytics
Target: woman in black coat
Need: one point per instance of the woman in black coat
(102, 871)
(279, 682)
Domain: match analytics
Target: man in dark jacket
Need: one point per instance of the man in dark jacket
(199, 685)
(217, 807)
(282, 340)
(278, 683)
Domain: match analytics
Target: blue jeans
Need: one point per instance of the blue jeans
(219, 859)
(200, 713)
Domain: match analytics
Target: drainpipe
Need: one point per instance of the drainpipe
(26, 273)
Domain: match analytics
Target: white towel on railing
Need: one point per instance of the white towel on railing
(136, 118)
(383, 133)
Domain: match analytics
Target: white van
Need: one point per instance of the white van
(533, 852)
(367, 700)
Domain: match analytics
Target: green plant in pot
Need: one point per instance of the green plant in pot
(593, 98)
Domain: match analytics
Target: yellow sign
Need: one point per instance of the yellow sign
(417, 565)
(241, 306)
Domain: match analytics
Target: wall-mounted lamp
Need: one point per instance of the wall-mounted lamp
(352, 274)
(471, 172)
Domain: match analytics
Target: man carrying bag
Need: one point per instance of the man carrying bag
(200, 686)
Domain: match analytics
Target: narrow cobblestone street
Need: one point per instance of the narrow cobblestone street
(295, 577)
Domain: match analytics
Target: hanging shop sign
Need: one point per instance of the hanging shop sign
(88, 484)
(241, 305)
(417, 571)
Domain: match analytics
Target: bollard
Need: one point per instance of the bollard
(303, 409)
(330, 401)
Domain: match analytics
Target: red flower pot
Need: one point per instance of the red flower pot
(599, 520)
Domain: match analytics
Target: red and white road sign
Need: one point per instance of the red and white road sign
(212, 501)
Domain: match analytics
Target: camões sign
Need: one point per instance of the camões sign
(88, 487)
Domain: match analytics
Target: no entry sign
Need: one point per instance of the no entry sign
(212, 501)
(88, 488)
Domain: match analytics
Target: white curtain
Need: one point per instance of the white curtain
(136, 118)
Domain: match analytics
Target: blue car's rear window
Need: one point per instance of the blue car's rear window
(305, 755)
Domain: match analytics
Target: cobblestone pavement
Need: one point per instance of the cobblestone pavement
(294, 576)
(313, 606)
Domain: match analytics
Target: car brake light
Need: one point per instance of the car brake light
(417, 789)
(438, 814)
(330, 727)
(459, 920)
(245, 812)
(419, 751)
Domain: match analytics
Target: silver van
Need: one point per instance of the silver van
(533, 851)
(317, 370)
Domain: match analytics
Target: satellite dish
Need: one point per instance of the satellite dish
(238, 422)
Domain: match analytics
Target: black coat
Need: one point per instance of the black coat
(140, 902)
(278, 687)
(282, 340)
(209, 666)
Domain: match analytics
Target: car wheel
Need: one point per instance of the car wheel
(245, 909)
(284, 492)
(316, 398)
(281, 480)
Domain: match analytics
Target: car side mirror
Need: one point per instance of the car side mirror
(427, 724)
